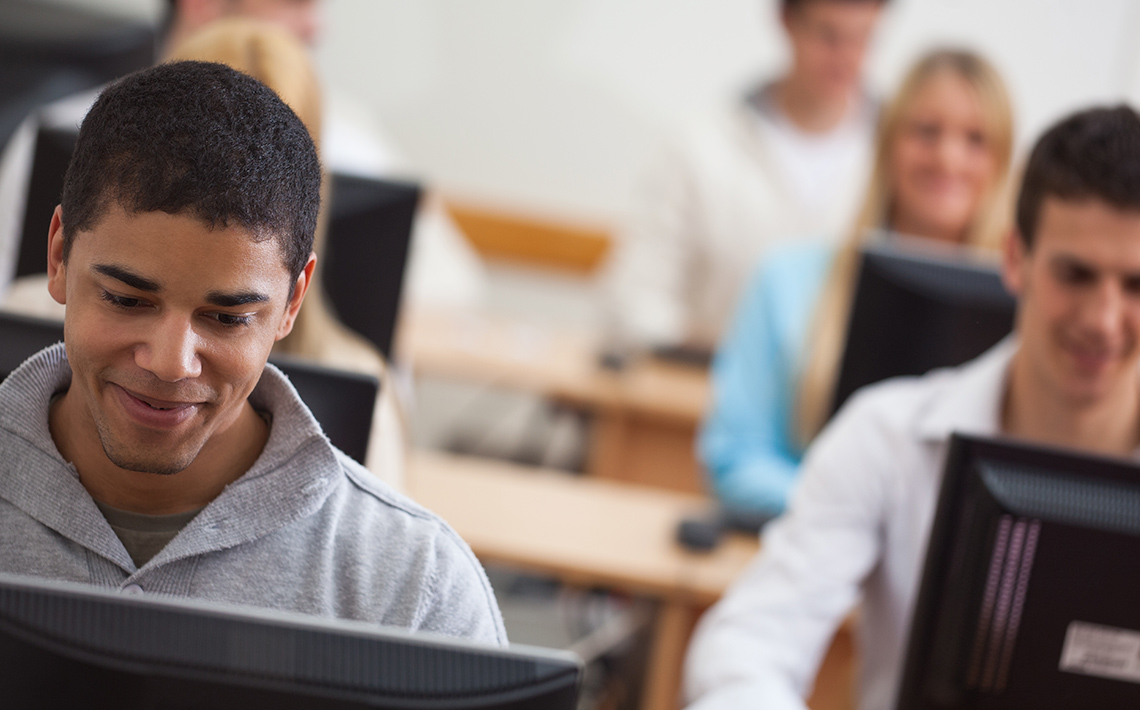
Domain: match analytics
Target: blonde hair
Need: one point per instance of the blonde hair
(266, 52)
(829, 327)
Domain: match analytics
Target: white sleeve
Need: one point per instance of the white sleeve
(649, 279)
(762, 644)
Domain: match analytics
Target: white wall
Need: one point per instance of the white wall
(553, 105)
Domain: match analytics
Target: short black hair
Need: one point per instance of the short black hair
(202, 139)
(1091, 154)
(789, 5)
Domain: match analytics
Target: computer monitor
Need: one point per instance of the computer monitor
(915, 310)
(342, 402)
(54, 147)
(70, 646)
(370, 227)
(1030, 594)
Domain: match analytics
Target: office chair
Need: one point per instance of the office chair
(342, 402)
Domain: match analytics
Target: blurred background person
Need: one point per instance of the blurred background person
(785, 161)
(940, 172)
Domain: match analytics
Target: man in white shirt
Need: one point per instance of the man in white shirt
(787, 161)
(857, 526)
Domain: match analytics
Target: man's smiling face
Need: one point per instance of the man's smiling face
(1079, 292)
(169, 325)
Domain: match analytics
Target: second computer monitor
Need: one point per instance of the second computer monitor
(1030, 591)
(915, 311)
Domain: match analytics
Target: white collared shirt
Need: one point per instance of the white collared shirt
(856, 530)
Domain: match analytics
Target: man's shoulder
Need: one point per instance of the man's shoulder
(375, 511)
(413, 550)
(372, 496)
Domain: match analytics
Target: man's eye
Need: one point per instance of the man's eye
(231, 321)
(1075, 275)
(123, 302)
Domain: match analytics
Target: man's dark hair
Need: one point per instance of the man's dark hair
(790, 5)
(201, 139)
(1093, 154)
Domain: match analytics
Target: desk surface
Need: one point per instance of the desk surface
(555, 362)
(582, 530)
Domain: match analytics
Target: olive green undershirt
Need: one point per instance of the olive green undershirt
(143, 535)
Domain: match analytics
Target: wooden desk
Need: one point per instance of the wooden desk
(645, 416)
(592, 532)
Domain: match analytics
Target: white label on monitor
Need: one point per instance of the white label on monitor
(1102, 651)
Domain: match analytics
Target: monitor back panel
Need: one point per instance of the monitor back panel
(1030, 588)
(912, 314)
(67, 646)
(52, 156)
(369, 237)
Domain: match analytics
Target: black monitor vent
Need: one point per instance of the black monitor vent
(1095, 503)
(133, 637)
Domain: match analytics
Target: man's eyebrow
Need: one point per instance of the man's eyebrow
(128, 277)
(232, 300)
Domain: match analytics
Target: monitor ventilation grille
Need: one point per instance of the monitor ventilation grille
(1002, 603)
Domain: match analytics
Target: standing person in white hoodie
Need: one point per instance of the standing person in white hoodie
(857, 524)
(786, 159)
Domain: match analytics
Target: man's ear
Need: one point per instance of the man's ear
(1015, 254)
(57, 270)
(303, 281)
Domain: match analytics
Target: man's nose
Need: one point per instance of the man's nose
(1104, 308)
(170, 350)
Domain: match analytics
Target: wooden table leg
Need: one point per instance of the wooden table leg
(674, 626)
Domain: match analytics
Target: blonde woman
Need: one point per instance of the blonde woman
(941, 165)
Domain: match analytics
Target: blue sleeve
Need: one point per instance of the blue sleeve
(747, 443)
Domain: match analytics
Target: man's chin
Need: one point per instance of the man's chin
(162, 464)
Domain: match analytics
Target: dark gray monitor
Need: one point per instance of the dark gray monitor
(70, 646)
(369, 238)
(915, 311)
(54, 147)
(1030, 594)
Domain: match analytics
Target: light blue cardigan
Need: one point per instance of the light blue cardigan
(747, 443)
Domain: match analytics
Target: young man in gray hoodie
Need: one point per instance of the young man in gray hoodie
(154, 451)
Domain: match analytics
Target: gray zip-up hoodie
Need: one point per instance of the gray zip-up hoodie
(306, 529)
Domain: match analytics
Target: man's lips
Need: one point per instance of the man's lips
(158, 403)
(154, 412)
(1091, 358)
